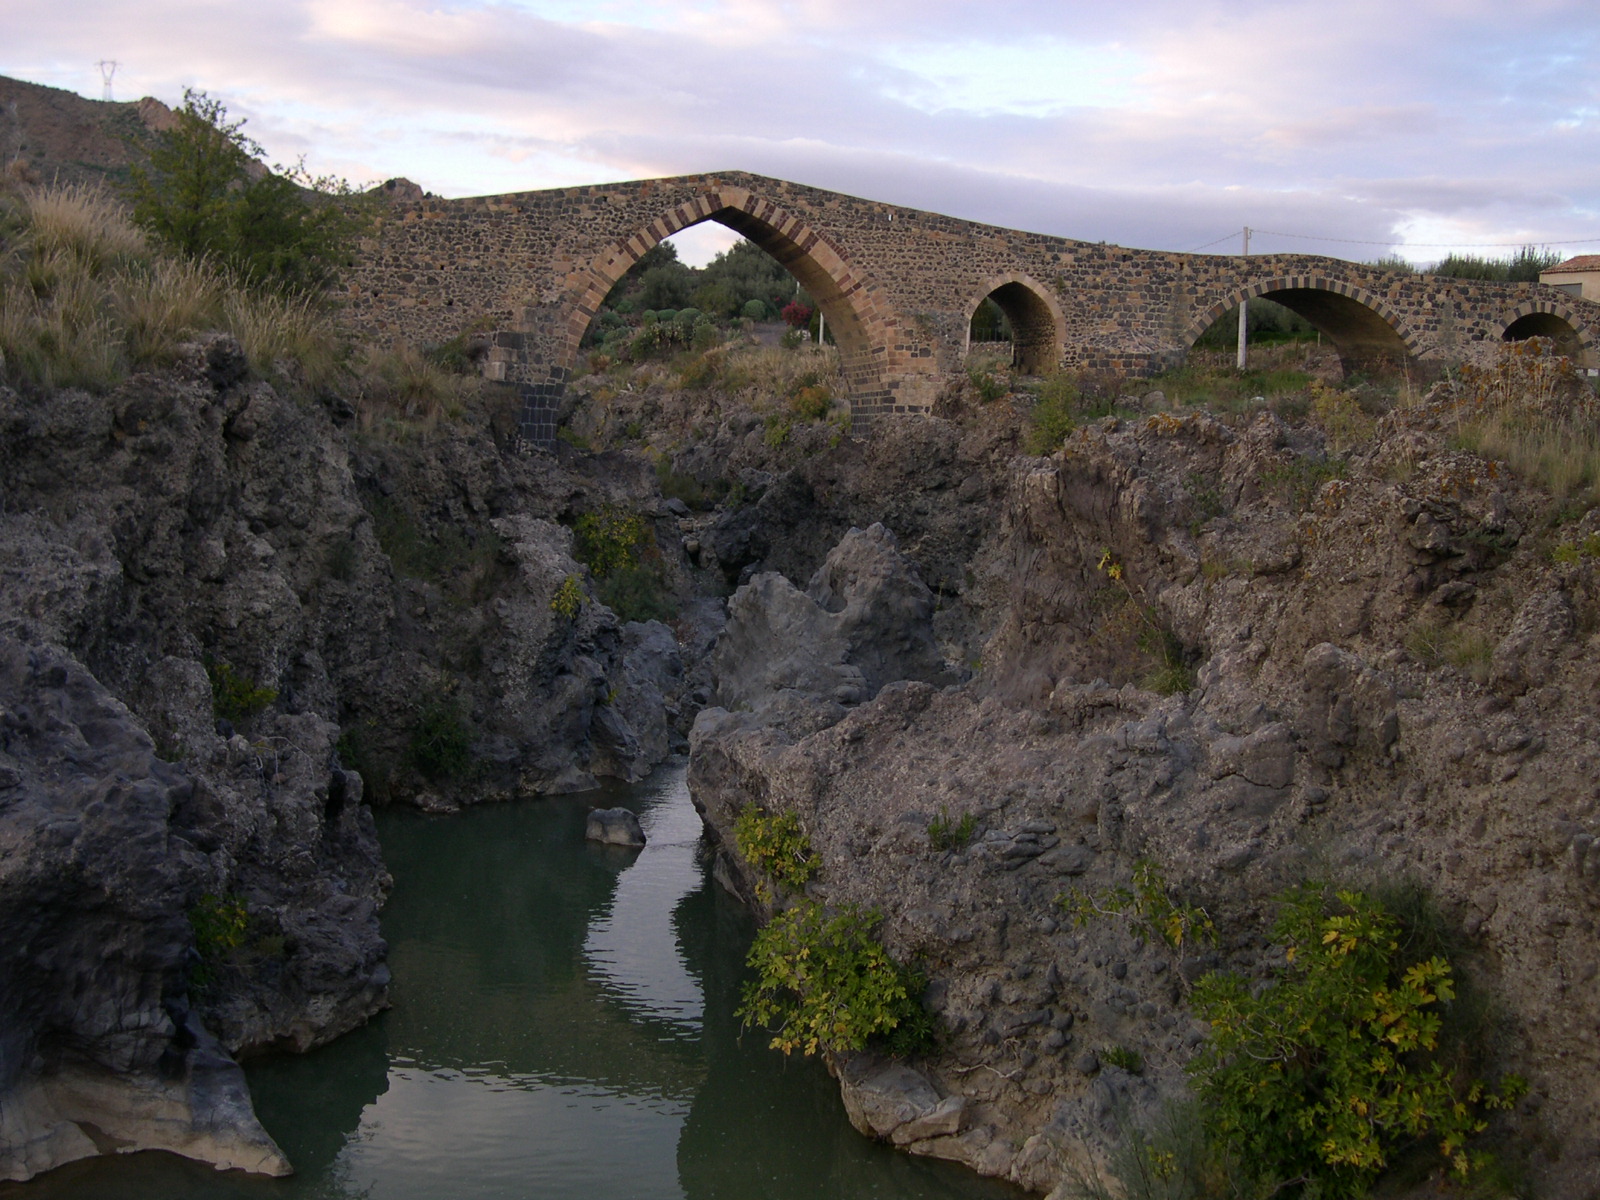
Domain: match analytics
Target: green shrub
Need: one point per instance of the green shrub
(220, 924)
(198, 193)
(568, 598)
(776, 845)
(1148, 904)
(1320, 1079)
(1052, 417)
(234, 696)
(440, 747)
(1570, 553)
(608, 539)
(811, 402)
(945, 834)
(826, 983)
(989, 386)
(636, 593)
(754, 310)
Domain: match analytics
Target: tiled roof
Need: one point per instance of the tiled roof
(1584, 262)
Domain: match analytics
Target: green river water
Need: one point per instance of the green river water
(562, 1028)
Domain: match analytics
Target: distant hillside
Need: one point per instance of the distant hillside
(49, 134)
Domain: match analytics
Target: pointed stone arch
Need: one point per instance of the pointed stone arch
(1363, 326)
(1038, 326)
(1540, 317)
(861, 321)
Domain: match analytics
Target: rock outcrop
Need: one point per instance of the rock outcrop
(1213, 652)
(100, 861)
(251, 622)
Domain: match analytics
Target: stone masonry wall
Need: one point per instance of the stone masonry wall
(898, 286)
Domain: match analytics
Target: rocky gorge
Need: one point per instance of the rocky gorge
(1244, 648)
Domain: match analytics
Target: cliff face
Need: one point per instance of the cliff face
(1381, 677)
(202, 633)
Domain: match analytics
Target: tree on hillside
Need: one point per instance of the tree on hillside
(204, 194)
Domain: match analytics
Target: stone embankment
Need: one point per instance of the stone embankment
(1213, 648)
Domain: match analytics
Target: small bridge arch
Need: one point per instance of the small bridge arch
(1038, 326)
(1363, 327)
(858, 320)
(1543, 317)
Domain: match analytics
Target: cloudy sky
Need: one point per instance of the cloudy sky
(1409, 126)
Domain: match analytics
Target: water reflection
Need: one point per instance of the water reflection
(562, 1028)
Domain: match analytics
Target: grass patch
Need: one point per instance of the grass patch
(465, 560)
(945, 834)
(1435, 643)
(1533, 411)
(1297, 481)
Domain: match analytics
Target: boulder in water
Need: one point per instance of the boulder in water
(613, 827)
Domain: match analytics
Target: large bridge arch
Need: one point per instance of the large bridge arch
(1541, 317)
(1363, 327)
(859, 320)
(1038, 326)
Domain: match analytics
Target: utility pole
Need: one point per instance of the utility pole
(108, 68)
(1244, 309)
(822, 326)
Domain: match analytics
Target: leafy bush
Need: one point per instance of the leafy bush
(440, 746)
(776, 845)
(199, 194)
(608, 539)
(1148, 904)
(1320, 1079)
(796, 315)
(235, 696)
(826, 983)
(754, 310)
(220, 924)
(568, 598)
(1127, 1059)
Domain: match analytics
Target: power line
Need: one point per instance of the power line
(1311, 237)
(1225, 237)
(108, 68)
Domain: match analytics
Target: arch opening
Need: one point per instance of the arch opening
(1365, 337)
(1018, 314)
(817, 266)
(1546, 325)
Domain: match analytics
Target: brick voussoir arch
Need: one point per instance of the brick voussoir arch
(869, 313)
(1554, 308)
(1339, 287)
(995, 282)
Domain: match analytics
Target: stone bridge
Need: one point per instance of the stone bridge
(898, 287)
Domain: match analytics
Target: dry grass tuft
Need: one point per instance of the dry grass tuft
(1533, 411)
(84, 223)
